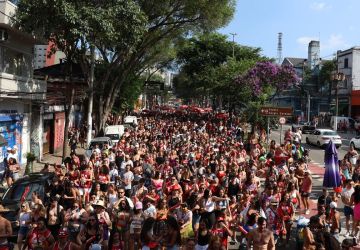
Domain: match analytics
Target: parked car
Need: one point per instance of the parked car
(322, 137)
(101, 141)
(114, 132)
(21, 190)
(308, 129)
(355, 142)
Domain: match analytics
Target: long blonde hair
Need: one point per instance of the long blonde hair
(27, 206)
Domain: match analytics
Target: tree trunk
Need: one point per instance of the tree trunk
(67, 122)
(91, 95)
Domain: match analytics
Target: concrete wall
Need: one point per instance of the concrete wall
(9, 9)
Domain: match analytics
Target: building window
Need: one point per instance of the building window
(346, 63)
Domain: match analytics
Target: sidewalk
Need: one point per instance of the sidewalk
(53, 159)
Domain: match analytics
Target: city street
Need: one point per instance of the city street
(317, 169)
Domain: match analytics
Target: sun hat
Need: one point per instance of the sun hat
(99, 203)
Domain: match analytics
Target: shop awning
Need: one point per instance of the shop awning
(3, 142)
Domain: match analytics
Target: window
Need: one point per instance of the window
(346, 63)
(16, 63)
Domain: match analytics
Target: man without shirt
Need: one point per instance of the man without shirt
(5, 229)
(261, 238)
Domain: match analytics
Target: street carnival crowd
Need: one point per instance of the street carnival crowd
(186, 182)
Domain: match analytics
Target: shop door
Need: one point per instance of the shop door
(47, 138)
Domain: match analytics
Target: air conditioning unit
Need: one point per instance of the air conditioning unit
(3, 35)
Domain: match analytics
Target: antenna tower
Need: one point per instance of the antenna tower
(279, 48)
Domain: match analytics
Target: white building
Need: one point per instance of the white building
(21, 96)
(348, 91)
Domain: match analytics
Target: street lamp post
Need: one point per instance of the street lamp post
(233, 45)
(308, 105)
(336, 78)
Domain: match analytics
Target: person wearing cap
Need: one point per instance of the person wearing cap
(103, 220)
(334, 220)
(261, 238)
(136, 222)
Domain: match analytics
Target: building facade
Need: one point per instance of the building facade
(310, 91)
(348, 91)
(21, 96)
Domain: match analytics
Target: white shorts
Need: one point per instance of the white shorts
(83, 191)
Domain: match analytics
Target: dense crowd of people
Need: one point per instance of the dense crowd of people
(189, 182)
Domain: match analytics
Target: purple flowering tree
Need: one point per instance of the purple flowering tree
(267, 78)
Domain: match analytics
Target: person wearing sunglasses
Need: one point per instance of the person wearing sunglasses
(24, 219)
(91, 234)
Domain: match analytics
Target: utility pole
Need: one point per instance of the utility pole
(91, 94)
(233, 45)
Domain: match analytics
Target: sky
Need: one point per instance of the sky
(336, 23)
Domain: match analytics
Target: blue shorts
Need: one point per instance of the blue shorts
(23, 231)
(348, 211)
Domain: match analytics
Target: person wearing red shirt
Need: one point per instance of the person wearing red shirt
(104, 178)
(63, 243)
(220, 229)
(86, 177)
(40, 236)
(172, 185)
(285, 214)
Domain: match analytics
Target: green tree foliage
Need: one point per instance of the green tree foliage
(128, 34)
(207, 65)
(327, 69)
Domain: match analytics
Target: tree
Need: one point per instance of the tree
(264, 81)
(208, 68)
(126, 33)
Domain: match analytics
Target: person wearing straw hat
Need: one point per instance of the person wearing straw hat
(5, 228)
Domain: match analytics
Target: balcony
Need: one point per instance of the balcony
(7, 10)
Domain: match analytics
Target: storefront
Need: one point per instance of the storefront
(11, 131)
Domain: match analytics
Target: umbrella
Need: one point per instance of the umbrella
(332, 176)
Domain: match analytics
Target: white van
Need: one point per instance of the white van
(349, 122)
(132, 120)
(114, 132)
